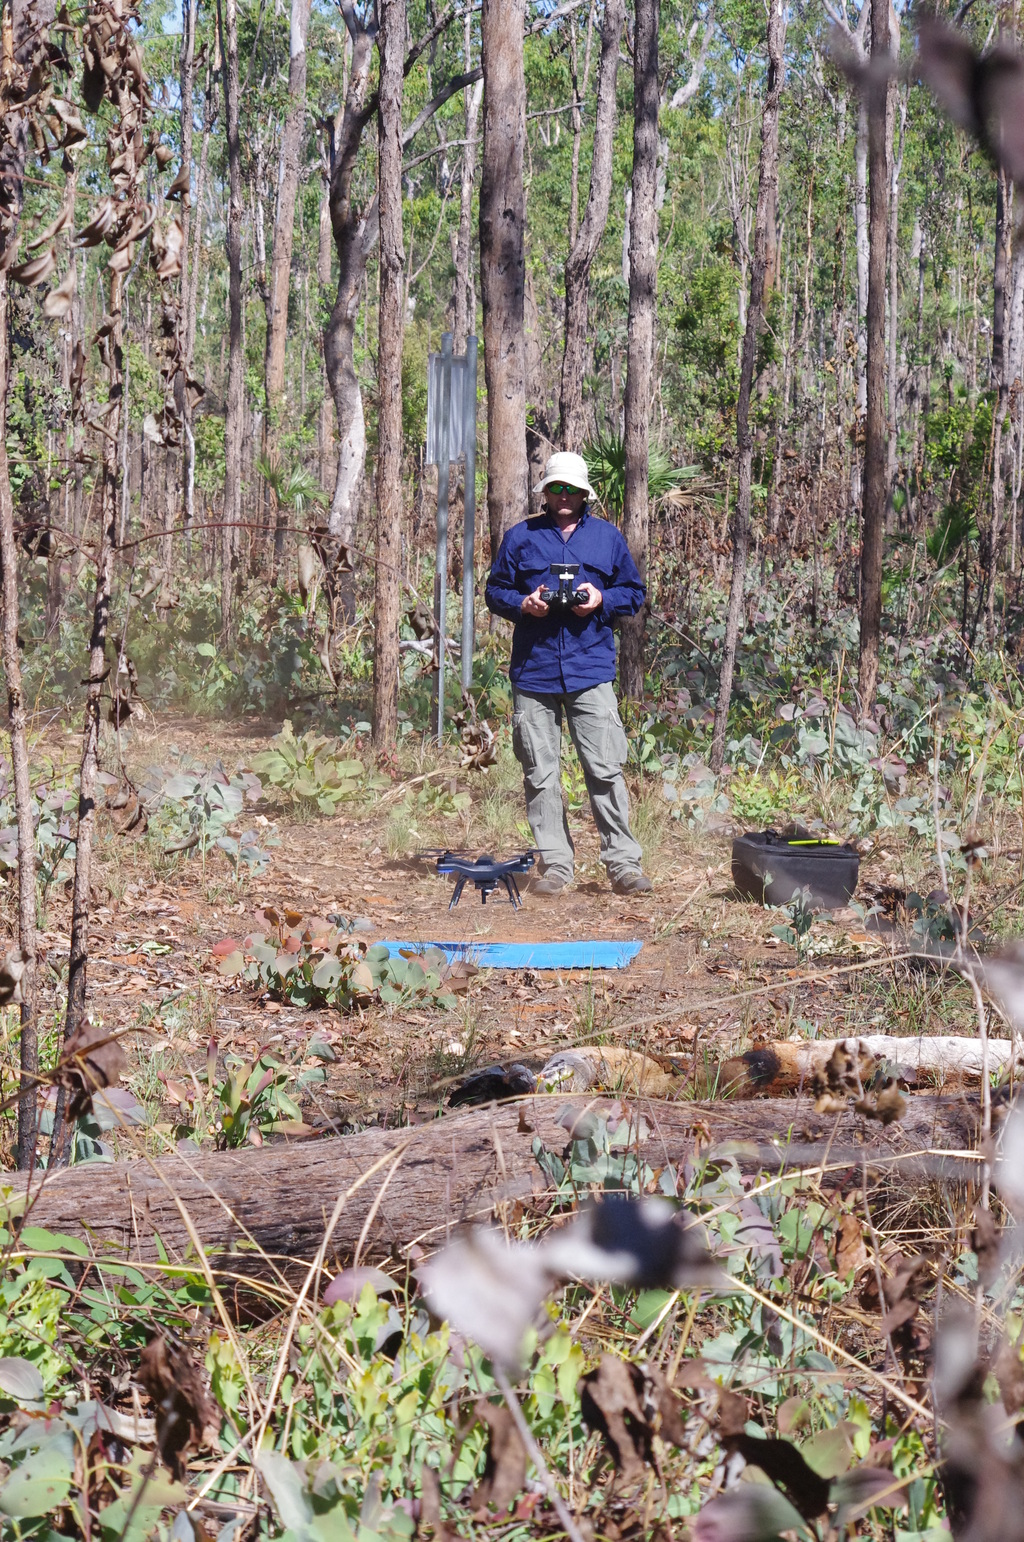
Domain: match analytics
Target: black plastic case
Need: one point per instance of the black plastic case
(772, 868)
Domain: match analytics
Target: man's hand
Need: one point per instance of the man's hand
(533, 605)
(593, 600)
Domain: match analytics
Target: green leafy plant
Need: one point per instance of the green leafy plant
(437, 800)
(321, 965)
(294, 488)
(196, 809)
(797, 929)
(53, 800)
(605, 456)
(757, 796)
(310, 768)
(254, 1101)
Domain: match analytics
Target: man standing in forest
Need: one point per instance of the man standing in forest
(563, 662)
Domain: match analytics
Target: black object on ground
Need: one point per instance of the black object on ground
(773, 868)
(486, 873)
(493, 1083)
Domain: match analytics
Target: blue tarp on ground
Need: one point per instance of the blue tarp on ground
(533, 955)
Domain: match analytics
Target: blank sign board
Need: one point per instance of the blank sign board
(461, 415)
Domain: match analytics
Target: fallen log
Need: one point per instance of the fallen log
(791, 1064)
(258, 1212)
(778, 1066)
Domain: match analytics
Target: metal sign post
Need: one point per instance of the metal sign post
(441, 569)
(451, 436)
(469, 513)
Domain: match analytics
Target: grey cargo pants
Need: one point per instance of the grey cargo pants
(600, 740)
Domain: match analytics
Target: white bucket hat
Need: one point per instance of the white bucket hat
(564, 466)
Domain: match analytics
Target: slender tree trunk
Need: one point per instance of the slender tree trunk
(192, 293)
(23, 800)
(387, 577)
(355, 232)
(875, 491)
(190, 10)
(465, 288)
(81, 898)
(579, 93)
(861, 237)
(503, 263)
(578, 264)
(170, 469)
(325, 247)
(1004, 205)
(760, 274)
(130, 95)
(281, 257)
(233, 429)
(898, 103)
(22, 83)
(1014, 377)
(643, 274)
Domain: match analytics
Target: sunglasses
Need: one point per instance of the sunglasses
(558, 488)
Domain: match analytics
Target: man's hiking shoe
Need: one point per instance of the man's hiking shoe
(549, 886)
(632, 883)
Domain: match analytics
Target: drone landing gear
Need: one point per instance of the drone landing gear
(485, 873)
(488, 886)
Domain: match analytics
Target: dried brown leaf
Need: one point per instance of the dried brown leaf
(611, 1401)
(985, 1242)
(180, 186)
(11, 971)
(505, 1470)
(104, 217)
(167, 246)
(186, 1415)
(63, 219)
(35, 271)
(1008, 1369)
(92, 1059)
(58, 302)
(851, 1254)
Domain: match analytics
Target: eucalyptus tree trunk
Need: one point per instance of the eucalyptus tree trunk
(760, 279)
(387, 584)
(578, 264)
(23, 800)
(355, 232)
(897, 104)
(192, 290)
(465, 287)
(325, 246)
(190, 10)
(129, 97)
(862, 244)
(643, 274)
(1000, 385)
(19, 90)
(1014, 374)
(281, 257)
(875, 489)
(503, 263)
(234, 425)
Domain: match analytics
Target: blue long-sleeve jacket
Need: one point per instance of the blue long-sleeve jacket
(563, 652)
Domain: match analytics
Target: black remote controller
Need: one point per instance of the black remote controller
(565, 596)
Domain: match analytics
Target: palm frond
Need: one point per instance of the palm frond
(605, 456)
